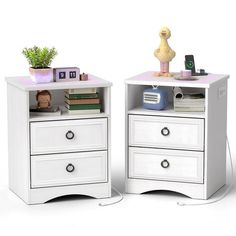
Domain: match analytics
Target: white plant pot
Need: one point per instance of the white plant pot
(40, 76)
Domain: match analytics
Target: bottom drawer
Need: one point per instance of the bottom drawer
(68, 169)
(169, 165)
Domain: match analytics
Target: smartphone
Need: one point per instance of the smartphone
(189, 63)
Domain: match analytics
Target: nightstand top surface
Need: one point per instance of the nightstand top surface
(25, 83)
(148, 78)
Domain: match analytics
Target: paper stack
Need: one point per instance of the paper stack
(188, 102)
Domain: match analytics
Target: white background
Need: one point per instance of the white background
(116, 40)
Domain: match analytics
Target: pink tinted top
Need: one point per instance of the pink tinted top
(148, 78)
(25, 83)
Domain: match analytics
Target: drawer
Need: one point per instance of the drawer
(68, 136)
(68, 169)
(166, 132)
(168, 165)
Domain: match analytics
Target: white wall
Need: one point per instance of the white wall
(115, 40)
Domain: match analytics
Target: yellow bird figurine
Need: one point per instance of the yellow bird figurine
(164, 53)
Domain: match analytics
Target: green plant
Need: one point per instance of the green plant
(39, 57)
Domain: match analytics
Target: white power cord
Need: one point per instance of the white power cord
(121, 197)
(220, 197)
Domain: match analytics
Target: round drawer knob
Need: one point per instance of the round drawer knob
(165, 131)
(70, 168)
(165, 164)
(70, 135)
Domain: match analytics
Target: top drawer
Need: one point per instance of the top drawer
(68, 136)
(166, 132)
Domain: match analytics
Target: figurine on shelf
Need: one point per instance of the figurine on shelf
(43, 98)
(164, 53)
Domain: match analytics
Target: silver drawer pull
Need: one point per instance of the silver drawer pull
(165, 164)
(70, 168)
(165, 131)
(70, 135)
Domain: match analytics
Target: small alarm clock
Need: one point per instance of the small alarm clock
(155, 98)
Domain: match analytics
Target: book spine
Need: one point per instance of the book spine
(81, 90)
(188, 109)
(83, 106)
(81, 96)
(91, 111)
(82, 101)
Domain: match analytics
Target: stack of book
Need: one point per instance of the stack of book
(82, 101)
(190, 102)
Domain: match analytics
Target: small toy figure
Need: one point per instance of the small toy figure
(84, 77)
(164, 53)
(43, 98)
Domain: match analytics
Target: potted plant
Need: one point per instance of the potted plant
(40, 60)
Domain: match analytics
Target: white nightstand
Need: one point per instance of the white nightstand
(43, 162)
(191, 159)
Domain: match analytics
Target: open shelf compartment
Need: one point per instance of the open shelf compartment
(58, 99)
(134, 102)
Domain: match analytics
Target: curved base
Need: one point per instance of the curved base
(43, 195)
(69, 197)
(163, 74)
(191, 190)
(165, 191)
(181, 192)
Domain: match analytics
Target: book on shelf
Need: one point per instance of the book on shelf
(82, 101)
(51, 111)
(83, 106)
(88, 111)
(194, 102)
(81, 96)
(189, 109)
(188, 103)
(193, 98)
(81, 90)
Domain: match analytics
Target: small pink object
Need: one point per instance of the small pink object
(165, 67)
(84, 77)
(185, 73)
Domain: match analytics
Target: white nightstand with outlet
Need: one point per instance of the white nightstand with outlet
(52, 156)
(183, 152)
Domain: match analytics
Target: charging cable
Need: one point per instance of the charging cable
(223, 195)
(199, 203)
(121, 197)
